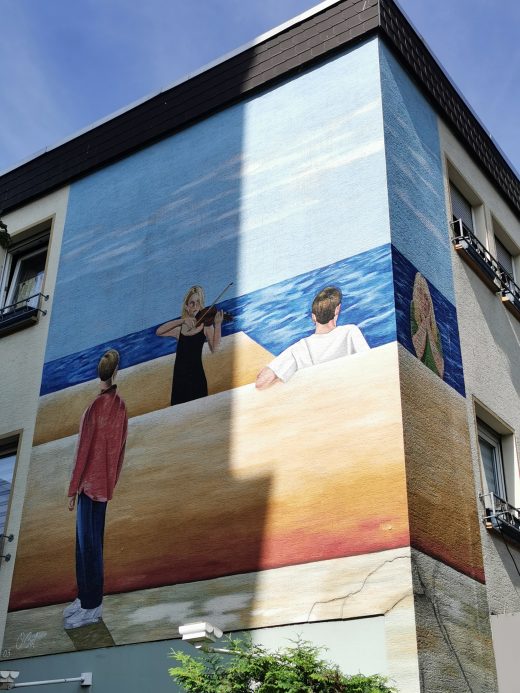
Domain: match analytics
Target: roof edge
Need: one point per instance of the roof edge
(190, 75)
(313, 36)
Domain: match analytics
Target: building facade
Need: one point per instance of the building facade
(368, 502)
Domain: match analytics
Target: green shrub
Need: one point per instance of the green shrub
(251, 668)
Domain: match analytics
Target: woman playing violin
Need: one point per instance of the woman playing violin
(191, 330)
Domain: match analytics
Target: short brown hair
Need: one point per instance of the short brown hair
(107, 365)
(325, 303)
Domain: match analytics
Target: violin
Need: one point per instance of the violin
(206, 316)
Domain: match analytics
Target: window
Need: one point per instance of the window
(21, 281)
(466, 242)
(496, 270)
(506, 249)
(500, 479)
(506, 252)
(8, 450)
(490, 445)
(504, 257)
(461, 208)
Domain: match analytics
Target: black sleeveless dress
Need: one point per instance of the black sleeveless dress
(189, 379)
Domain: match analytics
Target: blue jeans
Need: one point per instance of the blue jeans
(90, 530)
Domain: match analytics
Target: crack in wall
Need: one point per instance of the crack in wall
(345, 597)
(407, 594)
(442, 628)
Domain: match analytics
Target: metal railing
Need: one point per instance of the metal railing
(30, 304)
(464, 238)
(510, 289)
(501, 515)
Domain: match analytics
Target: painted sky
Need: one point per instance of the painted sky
(64, 65)
(235, 198)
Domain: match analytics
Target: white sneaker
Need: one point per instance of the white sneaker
(72, 608)
(83, 617)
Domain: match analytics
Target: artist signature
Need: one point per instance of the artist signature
(27, 641)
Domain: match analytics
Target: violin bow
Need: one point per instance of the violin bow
(201, 319)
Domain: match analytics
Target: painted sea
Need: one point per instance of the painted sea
(275, 317)
(278, 315)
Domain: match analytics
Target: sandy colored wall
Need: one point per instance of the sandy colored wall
(261, 496)
(505, 630)
(451, 605)
(441, 492)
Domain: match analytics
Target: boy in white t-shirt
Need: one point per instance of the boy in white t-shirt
(327, 343)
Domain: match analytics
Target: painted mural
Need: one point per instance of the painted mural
(221, 398)
(204, 420)
(425, 333)
(224, 300)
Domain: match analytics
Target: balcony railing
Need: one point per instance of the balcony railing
(510, 293)
(477, 256)
(488, 268)
(22, 313)
(501, 516)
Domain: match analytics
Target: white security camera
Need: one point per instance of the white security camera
(200, 634)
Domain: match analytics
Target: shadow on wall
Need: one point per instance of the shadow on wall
(171, 219)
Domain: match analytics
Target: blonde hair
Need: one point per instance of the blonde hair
(195, 290)
(421, 294)
(108, 364)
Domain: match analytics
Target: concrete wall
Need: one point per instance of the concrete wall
(21, 362)
(490, 342)
(505, 636)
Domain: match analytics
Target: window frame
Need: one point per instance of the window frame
(510, 451)
(12, 280)
(9, 447)
(457, 180)
(466, 239)
(454, 217)
(503, 240)
(492, 438)
(24, 245)
(478, 238)
(501, 248)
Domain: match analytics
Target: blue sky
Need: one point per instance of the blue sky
(64, 65)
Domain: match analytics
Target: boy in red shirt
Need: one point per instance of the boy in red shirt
(98, 461)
